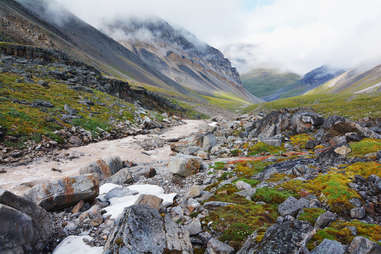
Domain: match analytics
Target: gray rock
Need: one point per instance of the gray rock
(379, 155)
(329, 246)
(143, 230)
(75, 140)
(194, 191)
(208, 142)
(184, 165)
(34, 225)
(324, 219)
(44, 104)
(291, 206)
(194, 227)
(241, 185)
(149, 200)
(216, 247)
(272, 141)
(362, 245)
(216, 204)
(65, 192)
(358, 212)
(283, 238)
(123, 176)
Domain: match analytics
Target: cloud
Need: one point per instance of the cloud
(296, 35)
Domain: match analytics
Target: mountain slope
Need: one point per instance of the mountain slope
(271, 84)
(31, 23)
(178, 55)
(355, 81)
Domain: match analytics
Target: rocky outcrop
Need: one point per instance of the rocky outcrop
(64, 193)
(144, 230)
(25, 227)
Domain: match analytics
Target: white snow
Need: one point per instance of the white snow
(75, 244)
(369, 89)
(117, 204)
(107, 187)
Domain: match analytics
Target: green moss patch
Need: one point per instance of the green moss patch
(365, 146)
(300, 140)
(262, 148)
(271, 195)
(311, 214)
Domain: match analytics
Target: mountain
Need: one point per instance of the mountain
(272, 84)
(179, 55)
(33, 23)
(267, 83)
(355, 81)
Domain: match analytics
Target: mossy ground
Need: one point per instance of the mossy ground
(310, 214)
(262, 148)
(364, 147)
(24, 121)
(301, 140)
(340, 231)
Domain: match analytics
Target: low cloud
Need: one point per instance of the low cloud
(296, 35)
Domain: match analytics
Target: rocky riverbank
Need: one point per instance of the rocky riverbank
(290, 181)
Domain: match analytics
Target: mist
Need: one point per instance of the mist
(293, 35)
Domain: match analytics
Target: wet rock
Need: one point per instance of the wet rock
(216, 247)
(329, 246)
(362, 245)
(34, 225)
(291, 206)
(286, 237)
(184, 165)
(150, 201)
(358, 212)
(144, 230)
(324, 219)
(65, 192)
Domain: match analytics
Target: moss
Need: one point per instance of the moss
(364, 169)
(218, 165)
(339, 231)
(271, 195)
(332, 188)
(262, 148)
(365, 146)
(311, 214)
(236, 152)
(278, 177)
(250, 168)
(300, 140)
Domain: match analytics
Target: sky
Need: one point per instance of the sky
(292, 35)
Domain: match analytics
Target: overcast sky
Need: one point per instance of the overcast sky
(296, 35)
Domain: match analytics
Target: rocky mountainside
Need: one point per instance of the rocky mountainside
(360, 80)
(33, 23)
(272, 85)
(178, 55)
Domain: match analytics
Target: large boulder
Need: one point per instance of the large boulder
(143, 230)
(184, 165)
(66, 192)
(287, 237)
(208, 141)
(216, 247)
(303, 122)
(104, 168)
(329, 246)
(25, 227)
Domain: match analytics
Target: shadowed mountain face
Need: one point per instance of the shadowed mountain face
(178, 55)
(31, 22)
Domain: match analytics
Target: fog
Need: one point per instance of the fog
(294, 35)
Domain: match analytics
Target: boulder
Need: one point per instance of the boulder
(208, 141)
(34, 225)
(123, 176)
(217, 247)
(104, 168)
(291, 206)
(329, 246)
(272, 141)
(66, 192)
(362, 245)
(343, 150)
(271, 125)
(194, 227)
(302, 122)
(286, 237)
(184, 165)
(143, 230)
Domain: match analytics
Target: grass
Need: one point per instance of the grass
(271, 195)
(347, 105)
(226, 101)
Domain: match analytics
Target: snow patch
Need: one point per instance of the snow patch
(75, 244)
